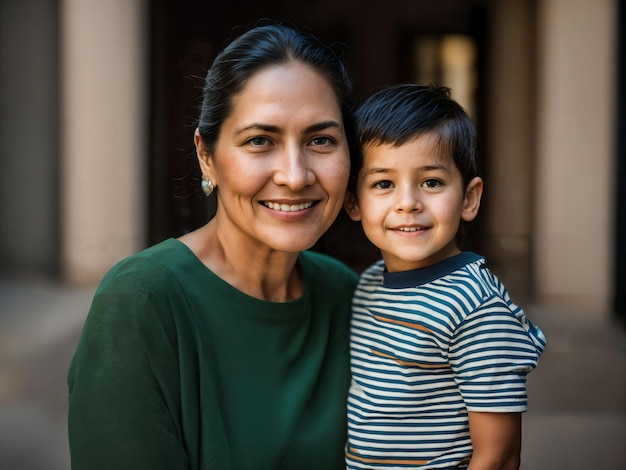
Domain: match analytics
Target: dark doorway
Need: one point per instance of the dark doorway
(184, 37)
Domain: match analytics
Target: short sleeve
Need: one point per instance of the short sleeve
(491, 353)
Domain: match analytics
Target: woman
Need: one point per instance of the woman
(228, 348)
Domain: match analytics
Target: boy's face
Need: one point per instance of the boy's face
(410, 200)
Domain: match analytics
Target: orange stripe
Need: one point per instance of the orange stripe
(421, 365)
(413, 326)
(352, 453)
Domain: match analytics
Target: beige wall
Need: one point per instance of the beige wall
(510, 146)
(104, 119)
(574, 172)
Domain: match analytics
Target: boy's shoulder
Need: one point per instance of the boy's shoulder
(374, 273)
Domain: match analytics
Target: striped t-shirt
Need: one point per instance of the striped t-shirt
(428, 345)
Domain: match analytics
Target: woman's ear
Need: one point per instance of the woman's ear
(351, 205)
(471, 202)
(203, 157)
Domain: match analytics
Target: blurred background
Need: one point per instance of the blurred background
(98, 100)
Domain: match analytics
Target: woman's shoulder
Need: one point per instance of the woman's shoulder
(137, 295)
(150, 270)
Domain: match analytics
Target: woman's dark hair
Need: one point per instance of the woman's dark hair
(259, 48)
(400, 113)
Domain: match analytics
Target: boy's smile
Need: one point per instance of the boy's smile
(410, 201)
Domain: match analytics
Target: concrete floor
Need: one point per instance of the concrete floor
(576, 420)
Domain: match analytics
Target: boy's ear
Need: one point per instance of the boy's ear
(351, 205)
(471, 202)
(204, 158)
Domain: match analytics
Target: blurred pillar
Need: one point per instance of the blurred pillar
(574, 171)
(104, 119)
(509, 144)
(28, 136)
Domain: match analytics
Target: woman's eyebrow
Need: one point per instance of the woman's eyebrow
(258, 126)
(319, 126)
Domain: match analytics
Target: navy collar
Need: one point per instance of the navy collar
(417, 277)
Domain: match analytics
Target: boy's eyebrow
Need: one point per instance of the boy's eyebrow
(435, 168)
(376, 170)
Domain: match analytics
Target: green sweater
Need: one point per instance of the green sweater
(176, 369)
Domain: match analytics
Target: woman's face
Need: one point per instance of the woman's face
(281, 161)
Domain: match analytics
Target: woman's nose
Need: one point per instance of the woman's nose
(294, 169)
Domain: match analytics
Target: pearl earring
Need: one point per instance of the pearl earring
(207, 186)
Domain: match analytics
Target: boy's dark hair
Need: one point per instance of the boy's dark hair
(398, 114)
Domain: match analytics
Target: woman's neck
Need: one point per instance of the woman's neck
(254, 269)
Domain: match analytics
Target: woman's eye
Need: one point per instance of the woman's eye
(322, 141)
(384, 184)
(258, 141)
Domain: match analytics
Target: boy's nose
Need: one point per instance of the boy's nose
(409, 200)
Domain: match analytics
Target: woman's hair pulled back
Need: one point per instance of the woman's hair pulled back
(259, 48)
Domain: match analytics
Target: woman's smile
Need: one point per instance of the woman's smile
(281, 162)
(288, 206)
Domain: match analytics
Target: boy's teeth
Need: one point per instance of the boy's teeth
(288, 207)
(410, 229)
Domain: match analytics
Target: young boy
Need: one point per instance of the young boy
(440, 353)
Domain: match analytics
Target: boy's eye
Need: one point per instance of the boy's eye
(384, 184)
(431, 183)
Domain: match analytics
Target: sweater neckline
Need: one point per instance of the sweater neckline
(229, 289)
